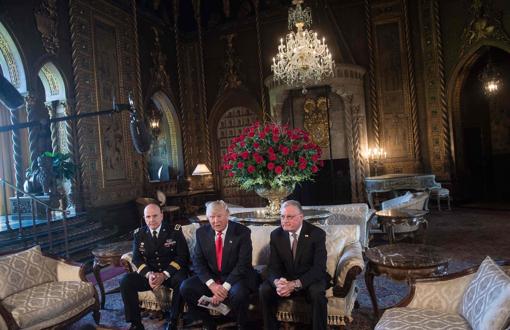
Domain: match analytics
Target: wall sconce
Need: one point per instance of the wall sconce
(202, 171)
(376, 156)
(155, 121)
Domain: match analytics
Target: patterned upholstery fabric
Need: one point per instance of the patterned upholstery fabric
(404, 318)
(23, 270)
(348, 214)
(486, 301)
(47, 301)
(444, 296)
(63, 316)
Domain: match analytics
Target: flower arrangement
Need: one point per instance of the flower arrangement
(271, 156)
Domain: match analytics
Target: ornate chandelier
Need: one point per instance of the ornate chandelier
(303, 58)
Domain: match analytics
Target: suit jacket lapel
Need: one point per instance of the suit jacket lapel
(287, 250)
(211, 243)
(302, 241)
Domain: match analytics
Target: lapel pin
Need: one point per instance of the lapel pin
(306, 235)
(230, 242)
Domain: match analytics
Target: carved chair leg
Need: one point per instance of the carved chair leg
(96, 314)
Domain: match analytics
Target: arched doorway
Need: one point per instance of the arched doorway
(12, 160)
(166, 156)
(482, 130)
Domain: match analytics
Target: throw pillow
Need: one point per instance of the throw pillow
(486, 301)
(23, 270)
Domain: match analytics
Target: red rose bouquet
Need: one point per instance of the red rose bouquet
(271, 156)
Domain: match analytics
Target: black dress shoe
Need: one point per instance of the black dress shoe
(136, 326)
(171, 325)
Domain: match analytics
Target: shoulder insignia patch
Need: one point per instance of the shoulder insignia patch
(177, 227)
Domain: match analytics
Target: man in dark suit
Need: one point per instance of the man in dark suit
(297, 265)
(222, 263)
(161, 256)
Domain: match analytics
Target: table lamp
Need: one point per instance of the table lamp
(201, 170)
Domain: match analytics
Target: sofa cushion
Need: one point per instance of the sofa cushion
(23, 270)
(260, 236)
(401, 318)
(47, 301)
(486, 301)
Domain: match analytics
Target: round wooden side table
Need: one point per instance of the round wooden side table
(403, 262)
(105, 255)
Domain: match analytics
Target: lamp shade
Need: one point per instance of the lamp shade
(201, 169)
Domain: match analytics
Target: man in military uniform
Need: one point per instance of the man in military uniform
(161, 256)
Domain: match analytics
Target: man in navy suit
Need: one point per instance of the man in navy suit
(222, 264)
(297, 266)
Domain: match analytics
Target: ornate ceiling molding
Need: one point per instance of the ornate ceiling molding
(160, 77)
(484, 25)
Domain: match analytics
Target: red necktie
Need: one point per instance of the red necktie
(219, 250)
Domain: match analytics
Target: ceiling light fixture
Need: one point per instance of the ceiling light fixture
(303, 58)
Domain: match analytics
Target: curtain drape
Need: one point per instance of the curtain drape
(6, 159)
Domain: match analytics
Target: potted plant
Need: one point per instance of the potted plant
(271, 159)
(52, 171)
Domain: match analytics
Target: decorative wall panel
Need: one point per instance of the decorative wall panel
(231, 125)
(196, 143)
(105, 66)
(394, 80)
(435, 91)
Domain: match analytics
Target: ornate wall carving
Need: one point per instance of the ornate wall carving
(46, 18)
(105, 65)
(395, 86)
(229, 126)
(196, 141)
(435, 89)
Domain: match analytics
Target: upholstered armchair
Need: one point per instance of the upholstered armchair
(43, 292)
(476, 298)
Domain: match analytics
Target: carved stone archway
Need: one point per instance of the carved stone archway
(348, 84)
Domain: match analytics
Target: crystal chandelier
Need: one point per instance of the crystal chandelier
(303, 58)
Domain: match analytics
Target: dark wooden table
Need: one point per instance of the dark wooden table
(403, 262)
(105, 255)
(392, 217)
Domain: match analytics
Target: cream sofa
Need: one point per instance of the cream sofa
(436, 303)
(41, 292)
(344, 263)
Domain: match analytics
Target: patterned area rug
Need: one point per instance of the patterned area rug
(466, 235)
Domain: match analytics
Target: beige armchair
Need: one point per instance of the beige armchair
(436, 303)
(43, 292)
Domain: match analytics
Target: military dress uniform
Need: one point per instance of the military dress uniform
(167, 253)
